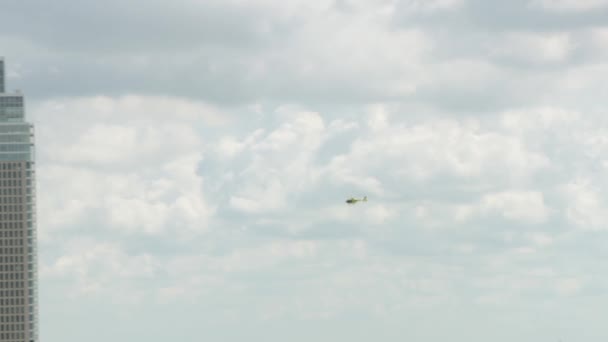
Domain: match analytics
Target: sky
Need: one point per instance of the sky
(194, 158)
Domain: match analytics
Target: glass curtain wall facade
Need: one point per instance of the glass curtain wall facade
(1, 75)
(18, 257)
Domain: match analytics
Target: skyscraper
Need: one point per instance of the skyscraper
(18, 274)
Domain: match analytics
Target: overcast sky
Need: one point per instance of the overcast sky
(194, 158)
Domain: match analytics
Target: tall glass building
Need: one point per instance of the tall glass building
(18, 274)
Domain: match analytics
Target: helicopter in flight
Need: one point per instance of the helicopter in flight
(354, 200)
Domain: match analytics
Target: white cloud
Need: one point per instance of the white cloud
(110, 144)
(569, 286)
(137, 202)
(570, 5)
(417, 6)
(378, 119)
(376, 215)
(375, 57)
(525, 206)
(434, 148)
(131, 130)
(137, 214)
(122, 171)
(535, 119)
(270, 171)
(379, 214)
(535, 47)
(599, 40)
(281, 162)
(540, 239)
(97, 267)
(585, 208)
(270, 195)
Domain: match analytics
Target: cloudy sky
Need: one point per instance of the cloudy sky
(194, 158)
